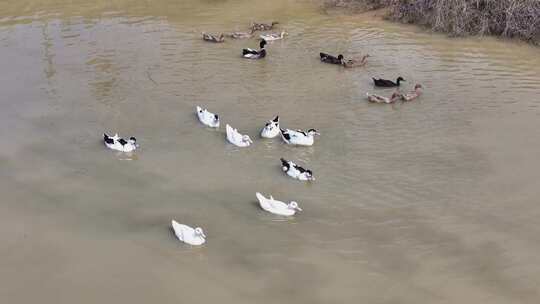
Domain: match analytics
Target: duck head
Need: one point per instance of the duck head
(262, 44)
(246, 139)
(294, 206)
(340, 57)
(199, 232)
(283, 33)
(310, 175)
(312, 132)
(132, 140)
(399, 79)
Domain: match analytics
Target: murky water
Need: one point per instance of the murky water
(433, 201)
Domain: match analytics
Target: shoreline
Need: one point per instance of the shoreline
(502, 20)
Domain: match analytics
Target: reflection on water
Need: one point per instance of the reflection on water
(429, 201)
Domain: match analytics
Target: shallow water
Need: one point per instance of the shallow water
(433, 201)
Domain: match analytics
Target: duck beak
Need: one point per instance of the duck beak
(298, 208)
(203, 235)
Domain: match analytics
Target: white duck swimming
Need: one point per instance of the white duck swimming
(295, 171)
(273, 36)
(237, 139)
(187, 234)
(299, 137)
(120, 144)
(207, 118)
(277, 207)
(271, 129)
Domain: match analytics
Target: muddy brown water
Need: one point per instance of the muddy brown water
(433, 201)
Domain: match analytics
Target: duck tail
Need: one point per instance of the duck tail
(105, 136)
(276, 119)
(284, 162)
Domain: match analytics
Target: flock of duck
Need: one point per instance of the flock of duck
(271, 129)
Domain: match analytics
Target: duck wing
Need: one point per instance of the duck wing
(233, 135)
(249, 51)
(286, 135)
(300, 169)
(181, 231)
(107, 139)
(263, 202)
(384, 83)
(325, 56)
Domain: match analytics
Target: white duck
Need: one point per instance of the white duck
(277, 207)
(273, 36)
(295, 171)
(188, 235)
(237, 139)
(271, 129)
(120, 144)
(207, 118)
(299, 137)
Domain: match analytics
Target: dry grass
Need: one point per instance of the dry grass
(508, 18)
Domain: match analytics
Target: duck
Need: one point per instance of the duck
(188, 235)
(277, 207)
(273, 36)
(213, 38)
(413, 94)
(295, 171)
(271, 128)
(263, 26)
(240, 35)
(353, 63)
(331, 59)
(120, 144)
(374, 98)
(387, 83)
(299, 137)
(207, 118)
(254, 54)
(237, 139)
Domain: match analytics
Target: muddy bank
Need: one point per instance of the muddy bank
(505, 18)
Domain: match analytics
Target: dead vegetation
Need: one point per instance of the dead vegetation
(507, 18)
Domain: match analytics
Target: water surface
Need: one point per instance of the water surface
(433, 201)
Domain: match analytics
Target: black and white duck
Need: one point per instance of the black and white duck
(295, 171)
(255, 54)
(271, 128)
(120, 144)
